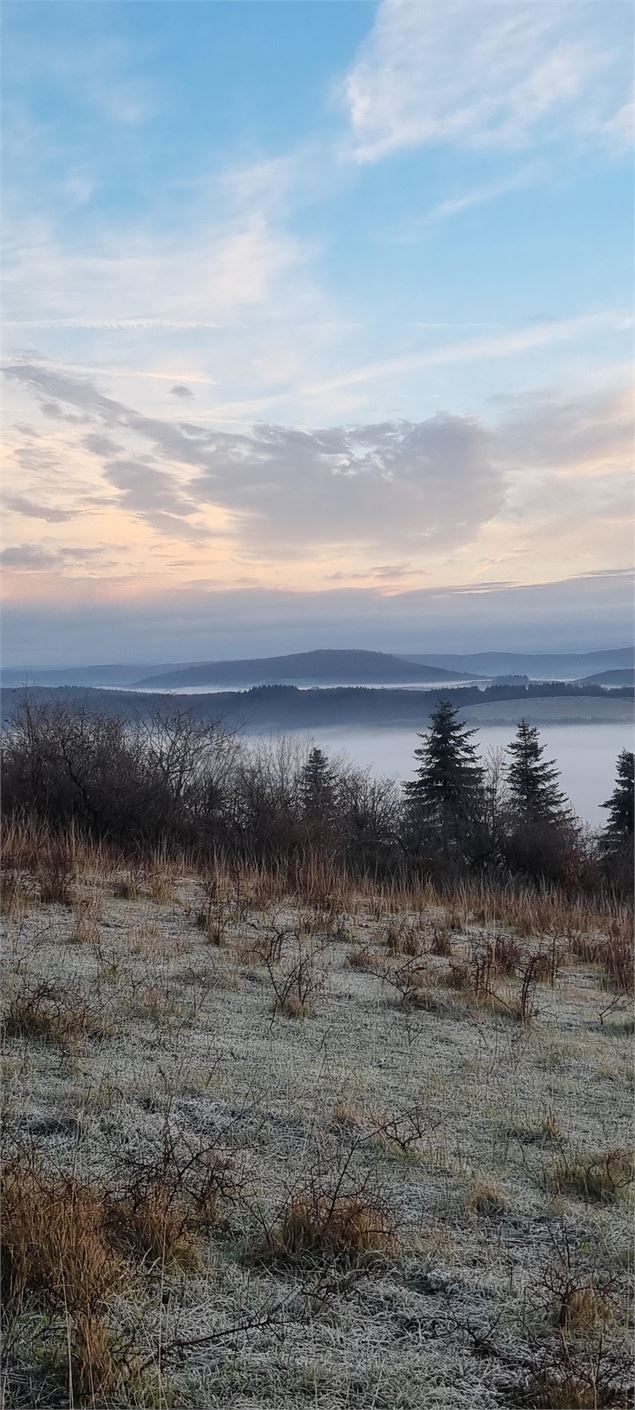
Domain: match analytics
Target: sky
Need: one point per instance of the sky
(317, 327)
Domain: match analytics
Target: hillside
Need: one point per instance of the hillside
(301, 668)
(560, 665)
(626, 677)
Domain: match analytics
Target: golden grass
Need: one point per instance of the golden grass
(57, 1250)
(154, 1226)
(338, 1226)
(486, 1198)
(54, 1243)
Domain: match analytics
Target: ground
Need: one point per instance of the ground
(357, 1152)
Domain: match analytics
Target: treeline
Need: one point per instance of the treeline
(181, 784)
(282, 707)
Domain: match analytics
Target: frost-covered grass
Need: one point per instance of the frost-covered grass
(261, 1151)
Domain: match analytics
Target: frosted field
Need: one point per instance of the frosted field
(449, 1118)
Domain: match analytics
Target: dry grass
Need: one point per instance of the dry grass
(584, 1309)
(127, 887)
(596, 1178)
(486, 1198)
(15, 894)
(343, 1226)
(54, 1244)
(403, 939)
(57, 1252)
(441, 943)
(566, 1389)
(162, 887)
(56, 873)
(87, 912)
(57, 1014)
(154, 1226)
(157, 1003)
(363, 958)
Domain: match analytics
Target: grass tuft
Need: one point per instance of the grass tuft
(598, 1178)
(340, 1226)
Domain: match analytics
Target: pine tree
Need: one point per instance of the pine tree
(447, 790)
(619, 827)
(533, 791)
(317, 787)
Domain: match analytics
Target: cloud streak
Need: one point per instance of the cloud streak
(502, 345)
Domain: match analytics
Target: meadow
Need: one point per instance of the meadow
(300, 1138)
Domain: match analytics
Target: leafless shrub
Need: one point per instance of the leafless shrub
(414, 983)
(60, 1015)
(574, 1375)
(441, 943)
(582, 1299)
(296, 987)
(475, 977)
(166, 1199)
(404, 1132)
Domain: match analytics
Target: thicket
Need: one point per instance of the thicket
(177, 784)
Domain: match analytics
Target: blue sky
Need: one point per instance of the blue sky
(318, 325)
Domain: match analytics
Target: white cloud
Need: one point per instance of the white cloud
(203, 279)
(498, 74)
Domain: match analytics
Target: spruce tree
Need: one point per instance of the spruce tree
(532, 781)
(317, 787)
(619, 827)
(447, 790)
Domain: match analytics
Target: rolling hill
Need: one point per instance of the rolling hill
(556, 665)
(625, 677)
(302, 668)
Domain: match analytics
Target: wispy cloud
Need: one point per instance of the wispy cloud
(538, 335)
(483, 195)
(489, 76)
(20, 504)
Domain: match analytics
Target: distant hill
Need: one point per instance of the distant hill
(626, 677)
(302, 668)
(109, 675)
(557, 665)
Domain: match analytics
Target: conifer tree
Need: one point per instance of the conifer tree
(619, 827)
(317, 787)
(447, 790)
(532, 781)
